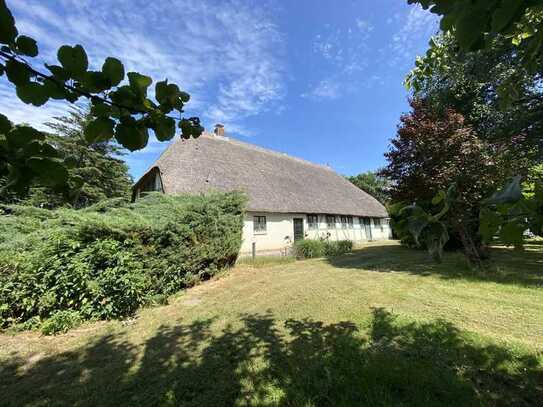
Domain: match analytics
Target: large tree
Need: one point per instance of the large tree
(434, 149)
(373, 184)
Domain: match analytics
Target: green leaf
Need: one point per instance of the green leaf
(100, 129)
(132, 136)
(58, 72)
(164, 128)
(8, 31)
(27, 46)
(190, 127)
(73, 59)
(22, 135)
(139, 83)
(469, 28)
(95, 81)
(100, 109)
(33, 93)
(113, 69)
(439, 197)
(124, 96)
(510, 194)
(17, 73)
(505, 14)
(5, 124)
(51, 172)
(54, 90)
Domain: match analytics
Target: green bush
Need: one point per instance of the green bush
(106, 261)
(60, 322)
(310, 248)
(337, 248)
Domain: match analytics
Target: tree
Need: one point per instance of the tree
(120, 111)
(470, 82)
(476, 24)
(373, 184)
(103, 174)
(434, 150)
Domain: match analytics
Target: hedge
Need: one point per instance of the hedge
(109, 259)
(311, 248)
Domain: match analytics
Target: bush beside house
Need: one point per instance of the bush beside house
(109, 259)
(312, 248)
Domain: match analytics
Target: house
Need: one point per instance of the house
(289, 198)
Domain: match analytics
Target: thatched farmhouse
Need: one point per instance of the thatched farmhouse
(289, 198)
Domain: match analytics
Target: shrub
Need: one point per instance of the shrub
(308, 248)
(336, 248)
(60, 322)
(106, 261)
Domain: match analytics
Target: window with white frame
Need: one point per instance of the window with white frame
(259, 224)
(343, 222)
(330, 221)
(350, 222)
(313, 222)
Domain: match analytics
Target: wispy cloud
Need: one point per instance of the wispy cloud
(345, 50)
(226, 54)
(325, 89)
(418, 23)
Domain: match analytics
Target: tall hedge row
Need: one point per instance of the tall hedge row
(108, 260)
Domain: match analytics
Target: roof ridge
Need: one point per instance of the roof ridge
(266, 150)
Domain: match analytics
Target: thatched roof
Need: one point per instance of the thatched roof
(274, 182)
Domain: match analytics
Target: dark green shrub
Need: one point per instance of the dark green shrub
(60, 322)
(108, 260)
(336, 248)
(308, 248)
(311, 248)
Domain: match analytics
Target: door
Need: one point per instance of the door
(367, 228)
(298, 228)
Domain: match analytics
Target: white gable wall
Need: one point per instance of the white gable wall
(279, 233)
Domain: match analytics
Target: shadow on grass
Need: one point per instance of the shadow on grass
(293, 362)
(506, 266)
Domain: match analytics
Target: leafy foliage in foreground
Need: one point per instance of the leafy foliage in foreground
(312, 248)
(476, 24)
(120, 111)
(97, 168)
(109, 259)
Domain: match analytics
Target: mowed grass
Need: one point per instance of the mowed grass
(382, 326)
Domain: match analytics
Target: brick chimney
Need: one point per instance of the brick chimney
(219, 130)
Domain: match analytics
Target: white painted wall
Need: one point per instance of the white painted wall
(279, 233)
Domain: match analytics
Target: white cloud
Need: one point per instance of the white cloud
(226, 54)
(325, 89)
(418, 24)
(345, 49)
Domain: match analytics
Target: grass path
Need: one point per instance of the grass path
(383, 326)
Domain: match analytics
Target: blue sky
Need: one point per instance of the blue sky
(320, 80)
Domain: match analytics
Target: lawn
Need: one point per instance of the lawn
(382, 326)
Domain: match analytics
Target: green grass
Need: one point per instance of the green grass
(382, 326)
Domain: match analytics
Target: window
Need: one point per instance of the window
(330, 221)
(350, 222)
(378, 222)
(313, 222)
(343, 222)
(259, 224)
